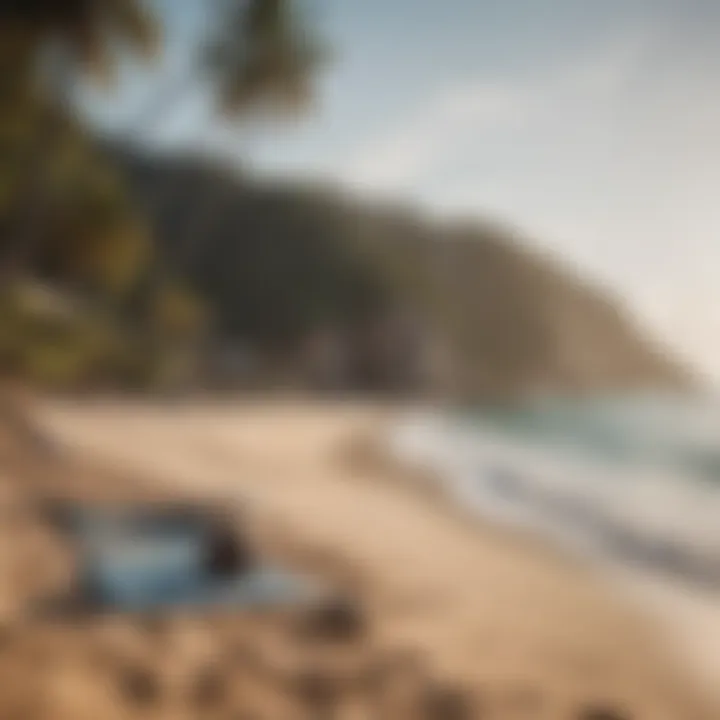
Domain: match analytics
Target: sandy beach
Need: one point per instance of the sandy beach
(533, 633)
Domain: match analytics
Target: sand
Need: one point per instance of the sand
(531, 633)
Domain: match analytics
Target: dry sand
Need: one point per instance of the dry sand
(533, 635)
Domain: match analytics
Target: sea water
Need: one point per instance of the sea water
(631, 480)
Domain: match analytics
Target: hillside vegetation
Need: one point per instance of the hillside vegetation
(276, 262)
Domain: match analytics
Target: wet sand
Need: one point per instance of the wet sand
(498, 612)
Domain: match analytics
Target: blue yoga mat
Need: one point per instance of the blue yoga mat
(142, 562)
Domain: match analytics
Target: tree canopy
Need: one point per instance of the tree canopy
(65, 215)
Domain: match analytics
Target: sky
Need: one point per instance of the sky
(591, 126)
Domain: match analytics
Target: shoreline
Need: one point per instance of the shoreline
(486, 604)
(686, 608)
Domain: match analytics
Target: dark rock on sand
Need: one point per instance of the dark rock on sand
(440, 702)
(316, 689)
(336, 620)
(140, 686)
(210, 688)
(603, 712)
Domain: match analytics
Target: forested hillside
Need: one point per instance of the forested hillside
(274, 263)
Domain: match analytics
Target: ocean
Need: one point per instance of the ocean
(631, 481)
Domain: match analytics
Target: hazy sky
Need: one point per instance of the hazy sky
(593, 125)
